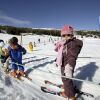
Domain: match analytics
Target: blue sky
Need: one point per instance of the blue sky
(81, 14)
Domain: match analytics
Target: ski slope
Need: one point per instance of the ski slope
(42, 58)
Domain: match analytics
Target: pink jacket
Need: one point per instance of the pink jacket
(59, 49)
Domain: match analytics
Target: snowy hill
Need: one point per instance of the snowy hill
(42, 58)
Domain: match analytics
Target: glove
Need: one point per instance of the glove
(68, 71)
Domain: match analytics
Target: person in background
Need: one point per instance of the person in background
(68, 49)
(15, 53)
(30, 47)
(39, 40)
(1, 52)
(6, 59)
(4, 56)
(34, 44)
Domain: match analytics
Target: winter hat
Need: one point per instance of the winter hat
(13, 40)
(66, 30)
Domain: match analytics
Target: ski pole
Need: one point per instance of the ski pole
(76, 79)
(86, 57)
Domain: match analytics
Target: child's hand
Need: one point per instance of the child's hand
(6, 53)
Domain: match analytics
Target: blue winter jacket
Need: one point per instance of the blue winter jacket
(16, 55)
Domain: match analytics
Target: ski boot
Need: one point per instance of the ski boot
(13, 73)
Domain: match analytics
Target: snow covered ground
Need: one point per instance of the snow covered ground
(42, 58)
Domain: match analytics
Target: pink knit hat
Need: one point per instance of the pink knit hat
(66, 30)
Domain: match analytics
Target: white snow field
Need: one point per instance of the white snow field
(42, 58)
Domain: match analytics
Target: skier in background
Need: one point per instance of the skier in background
(39, 40)
(34, 44)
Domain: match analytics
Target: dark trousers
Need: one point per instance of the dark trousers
(68, 85)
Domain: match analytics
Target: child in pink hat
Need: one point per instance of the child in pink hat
(68, 50)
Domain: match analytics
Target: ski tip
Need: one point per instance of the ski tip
(45, 81)
(43, 89)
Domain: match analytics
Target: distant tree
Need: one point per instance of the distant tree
(18, 30)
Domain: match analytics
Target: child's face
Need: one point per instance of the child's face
(13, 46)
(66, 37)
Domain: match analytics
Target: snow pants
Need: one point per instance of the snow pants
(68, 85)
(17, 67)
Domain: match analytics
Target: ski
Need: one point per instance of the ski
(51, 83)
(27, 77)
(21, 78)
(78, 93)
(18, 76)
(48, 90)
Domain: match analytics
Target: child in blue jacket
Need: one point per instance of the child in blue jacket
(15, 52)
